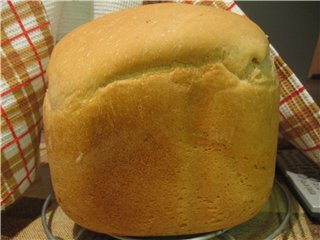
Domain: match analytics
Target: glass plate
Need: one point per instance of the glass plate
(267, 224)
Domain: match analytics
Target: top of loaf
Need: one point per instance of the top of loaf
(147, 37)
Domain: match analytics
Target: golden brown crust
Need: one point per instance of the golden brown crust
(150, 36)
(162, 135)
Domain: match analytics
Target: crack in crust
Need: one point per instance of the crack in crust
(256, 73)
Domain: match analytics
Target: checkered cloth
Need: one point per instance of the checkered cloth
(26, 45)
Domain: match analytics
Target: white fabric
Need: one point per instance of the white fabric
(66, 16)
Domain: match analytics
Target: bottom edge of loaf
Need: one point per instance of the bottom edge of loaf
(169, 234)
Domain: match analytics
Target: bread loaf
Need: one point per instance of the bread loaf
(162, 120)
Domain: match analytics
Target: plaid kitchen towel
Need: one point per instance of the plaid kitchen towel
(26, 44)
(25, 48)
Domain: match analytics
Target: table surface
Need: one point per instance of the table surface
(22, 220)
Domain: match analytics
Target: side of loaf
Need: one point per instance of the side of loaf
(162, 120)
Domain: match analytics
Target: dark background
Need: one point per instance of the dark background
(293, 29)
